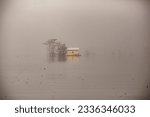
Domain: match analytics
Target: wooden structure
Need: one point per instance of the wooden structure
(72, 52)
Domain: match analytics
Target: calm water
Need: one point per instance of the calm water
(113, 38)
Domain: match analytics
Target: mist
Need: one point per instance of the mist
(114, 41)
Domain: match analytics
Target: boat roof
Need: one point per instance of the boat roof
(72, 49)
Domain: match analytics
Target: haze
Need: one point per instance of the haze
(114, 41)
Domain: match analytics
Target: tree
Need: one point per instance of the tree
(56, 47)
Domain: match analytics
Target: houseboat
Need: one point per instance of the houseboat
(72, 52)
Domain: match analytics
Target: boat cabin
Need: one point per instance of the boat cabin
(72, 52)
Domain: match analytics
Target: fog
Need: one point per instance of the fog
(114, 41)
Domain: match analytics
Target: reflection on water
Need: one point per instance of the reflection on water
(62, 58)
(72, 58)
(56, 58)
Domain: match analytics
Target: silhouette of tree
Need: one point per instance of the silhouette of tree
(56, 47)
